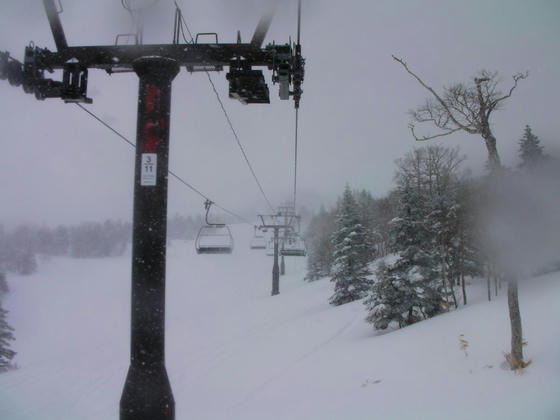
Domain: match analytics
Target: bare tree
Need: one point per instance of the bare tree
(463, 107)
(468, 108)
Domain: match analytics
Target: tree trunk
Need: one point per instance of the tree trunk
(516, 355)
(493, 157)
(462, 257)
(488, 284)
(443, 275)
(451, 284)
(451, 278)
(463, 287)
(516, 332)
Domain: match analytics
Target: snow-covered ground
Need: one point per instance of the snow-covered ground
(235, 352)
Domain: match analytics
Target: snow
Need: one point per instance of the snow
(235, 352)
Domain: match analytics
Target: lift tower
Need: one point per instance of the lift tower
(147, 392)
(276, 222)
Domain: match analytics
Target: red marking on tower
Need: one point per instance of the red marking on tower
(153, 99)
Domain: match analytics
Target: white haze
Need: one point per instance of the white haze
(520, 220)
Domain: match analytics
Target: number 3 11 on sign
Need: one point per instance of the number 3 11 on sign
(149, 169)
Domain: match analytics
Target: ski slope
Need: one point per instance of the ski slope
(235, 352)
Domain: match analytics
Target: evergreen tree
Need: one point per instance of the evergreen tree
(407, 291)
(6, 354)
(3, 249)
(530, 150)
(392, 300)
(351, 255)
(466, 258)
(442, 211)
(366, 212)
(3, 284)
(385, 211)
(418, 260)
(314, 269)
(442, 221)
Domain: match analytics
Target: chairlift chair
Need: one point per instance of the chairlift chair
(258, 241)
(214, 238)
(270, 247)
(293, 246)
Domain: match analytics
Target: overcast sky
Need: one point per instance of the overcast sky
(61, 166)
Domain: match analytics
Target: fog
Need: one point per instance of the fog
(520, 222)
(61, 166)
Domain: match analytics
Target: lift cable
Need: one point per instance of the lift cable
(239, 142)
(177, 177)
(228, 119)
(299, 23)
(182, 21)
(295, 159)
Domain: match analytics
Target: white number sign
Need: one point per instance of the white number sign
(149, 170)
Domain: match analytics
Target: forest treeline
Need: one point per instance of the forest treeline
(429, 234)
(20, 247)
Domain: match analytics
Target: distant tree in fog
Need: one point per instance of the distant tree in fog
(318, 242)
(365, 204)
(23, 262)
(3, 284)
(19, 250)
(2, 250)
(97, 240)
(385, 210)
(181, 227)
(530, 149)
(60, 241)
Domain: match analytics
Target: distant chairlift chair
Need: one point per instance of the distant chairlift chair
(293, 246)
(258, 241)
(270, 247)
(214, 238)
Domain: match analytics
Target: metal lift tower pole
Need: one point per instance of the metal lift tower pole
(275, 268)
(147, 391)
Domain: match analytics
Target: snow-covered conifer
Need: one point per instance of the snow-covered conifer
(314, 269)
(393, 299)
(6, 354)
(407, 291)
(352, 254)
